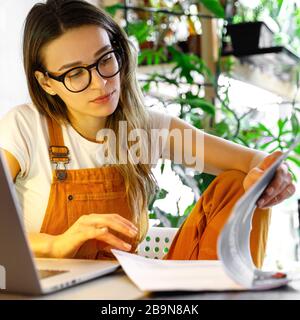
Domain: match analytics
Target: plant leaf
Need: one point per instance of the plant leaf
(265, 129)
(196, 102)
(295, 160)
(295, 124)
(281, 124)
(221, 128)
(140, 29)
(215, 7)
(297, 149)
(113, 9)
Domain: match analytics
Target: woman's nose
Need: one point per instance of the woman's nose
(97, 81)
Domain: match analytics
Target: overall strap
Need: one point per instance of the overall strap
(58, 152)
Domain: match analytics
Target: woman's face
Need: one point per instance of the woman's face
(80, 47)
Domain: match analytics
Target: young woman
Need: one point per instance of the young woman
(78, 198)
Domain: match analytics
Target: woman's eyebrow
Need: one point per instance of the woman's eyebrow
(73, 64)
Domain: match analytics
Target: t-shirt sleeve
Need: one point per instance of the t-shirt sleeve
(16, 136)
(160, 125)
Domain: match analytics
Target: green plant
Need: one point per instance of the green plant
(262, 138)
(245, 130)
(282, 15)
(246, 14)
(192, 109)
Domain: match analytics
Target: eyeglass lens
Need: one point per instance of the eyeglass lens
(78, 79)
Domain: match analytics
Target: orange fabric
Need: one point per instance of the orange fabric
(197, 237)
(55, 133)
(84, 191)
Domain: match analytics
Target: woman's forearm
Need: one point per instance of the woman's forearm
(225, 155)
(214, 154)
(41, 244)
(256, 158)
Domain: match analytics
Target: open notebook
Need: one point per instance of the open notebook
(233, 271)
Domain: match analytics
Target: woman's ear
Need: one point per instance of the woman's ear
(44, 82)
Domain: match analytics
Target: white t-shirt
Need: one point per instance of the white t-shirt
(24, 133)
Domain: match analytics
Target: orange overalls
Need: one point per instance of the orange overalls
(74, 193)
(101, 190)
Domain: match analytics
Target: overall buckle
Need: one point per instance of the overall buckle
(60, 156)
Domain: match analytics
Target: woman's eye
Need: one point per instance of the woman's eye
(75, 73)
(104, 61)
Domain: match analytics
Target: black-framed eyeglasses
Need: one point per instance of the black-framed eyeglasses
(79, 78)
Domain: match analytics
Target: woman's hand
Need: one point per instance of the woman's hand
(280, 187)
(93, 226)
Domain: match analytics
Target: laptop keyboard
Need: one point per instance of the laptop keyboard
(50, 273)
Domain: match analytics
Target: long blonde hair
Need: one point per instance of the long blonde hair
(46, 22)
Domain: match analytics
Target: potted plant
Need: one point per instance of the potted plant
(248, 34)
(250, 37)
(255, 27)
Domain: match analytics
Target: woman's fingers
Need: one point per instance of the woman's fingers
(126, 221)
(281, 179)
(286, 193)
(93, 226)
(112, 221)
(117, 223)
(276, 187)
(103, 234)
(280, 187)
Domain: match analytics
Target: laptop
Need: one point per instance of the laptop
(20, 271)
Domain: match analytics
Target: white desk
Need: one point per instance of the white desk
(117, 286)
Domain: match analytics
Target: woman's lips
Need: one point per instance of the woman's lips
(104, 99)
